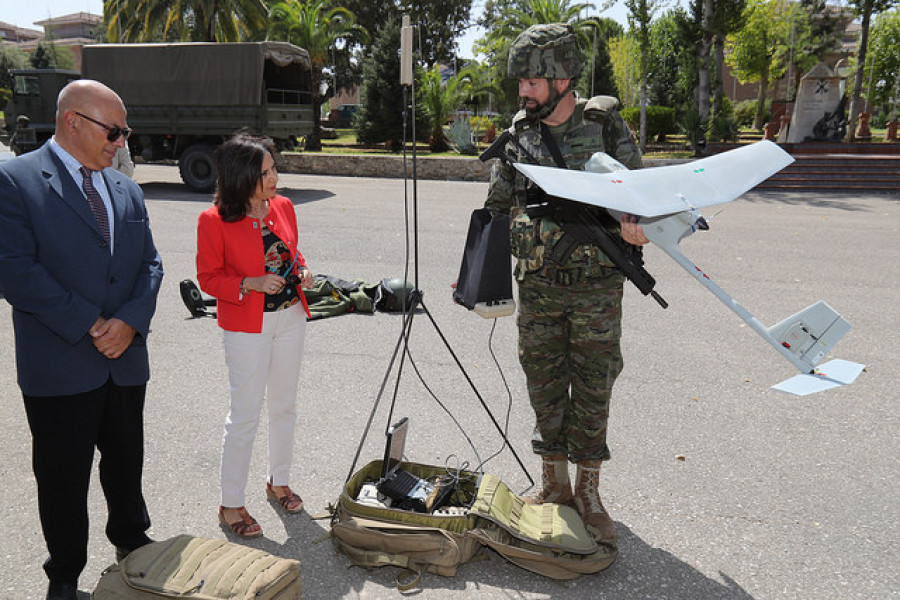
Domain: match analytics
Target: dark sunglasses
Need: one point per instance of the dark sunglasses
(114, 131)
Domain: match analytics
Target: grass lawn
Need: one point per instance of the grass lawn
(674, 146)
(345, 143)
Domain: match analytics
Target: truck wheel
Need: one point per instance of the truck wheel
(198, 168)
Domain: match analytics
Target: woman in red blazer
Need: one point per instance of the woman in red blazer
(247, 258)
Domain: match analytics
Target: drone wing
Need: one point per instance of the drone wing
(665, 190)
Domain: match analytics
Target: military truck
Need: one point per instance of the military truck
(31, 113)
(184, 99)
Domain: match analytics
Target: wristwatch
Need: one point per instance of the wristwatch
(244, 290)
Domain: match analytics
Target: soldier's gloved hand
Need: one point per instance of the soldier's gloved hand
(631, 231)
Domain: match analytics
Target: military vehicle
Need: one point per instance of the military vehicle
(183, 100)
(30, 114)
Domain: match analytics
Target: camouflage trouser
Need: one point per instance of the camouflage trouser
(569, 350)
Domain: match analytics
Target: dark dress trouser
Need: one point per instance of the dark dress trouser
(65, 430)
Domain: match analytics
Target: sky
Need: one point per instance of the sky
(25, 12)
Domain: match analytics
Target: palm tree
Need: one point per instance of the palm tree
(183, 20)
(514, 18)
(537, 12)
(315, 26)
(440, 99)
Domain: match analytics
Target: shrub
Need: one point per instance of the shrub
(694, 129)
(660, 120)
(745, 112)
(721, 128)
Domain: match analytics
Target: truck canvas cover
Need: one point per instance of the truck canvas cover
(154, 74)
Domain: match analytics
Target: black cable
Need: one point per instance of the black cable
(441, 404)
(480, 466)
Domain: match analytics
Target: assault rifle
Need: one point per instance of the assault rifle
(580, 222)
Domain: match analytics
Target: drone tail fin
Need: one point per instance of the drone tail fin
(809, 335)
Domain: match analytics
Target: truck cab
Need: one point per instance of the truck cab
(30, 115)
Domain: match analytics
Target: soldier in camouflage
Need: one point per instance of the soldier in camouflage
(570, 294)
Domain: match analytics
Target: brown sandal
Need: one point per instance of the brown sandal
(289, 501)
(247, 527)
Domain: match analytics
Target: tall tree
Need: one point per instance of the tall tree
(640, 16)
(597, 77)
(48, 55)
(704, 65)
(515, 19)
(625, 57)
(503, 20)
(438, 22)
(864, 9)
(670, 81)
(727, 19)
(10, 58)
(757, 51)
(183, 20)
(312, 25)
(380, 116)
(883, 70)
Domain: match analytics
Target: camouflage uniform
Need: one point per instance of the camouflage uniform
(570, 313)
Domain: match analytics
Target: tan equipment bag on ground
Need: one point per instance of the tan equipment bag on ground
(200, 569)
(549, 539)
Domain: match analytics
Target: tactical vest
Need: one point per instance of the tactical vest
(595, 126)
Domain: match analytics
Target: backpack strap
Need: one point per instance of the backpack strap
(598, 108)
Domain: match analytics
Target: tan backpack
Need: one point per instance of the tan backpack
(200, 569)
(549, 539)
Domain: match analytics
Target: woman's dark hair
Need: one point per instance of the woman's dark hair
(239, 172)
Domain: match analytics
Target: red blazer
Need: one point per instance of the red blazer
(228, 252)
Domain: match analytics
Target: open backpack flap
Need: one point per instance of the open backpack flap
(549, 539)
(200, 569)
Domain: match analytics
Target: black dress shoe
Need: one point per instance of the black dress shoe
(62, 590)
(122, 553)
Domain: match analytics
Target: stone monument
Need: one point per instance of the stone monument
(819, 107)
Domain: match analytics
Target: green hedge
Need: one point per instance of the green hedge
(660, 120)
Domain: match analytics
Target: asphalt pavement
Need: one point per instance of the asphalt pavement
(720, 487)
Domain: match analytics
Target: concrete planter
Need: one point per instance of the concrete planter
(446, 168)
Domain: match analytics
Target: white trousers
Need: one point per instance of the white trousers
(262, 365)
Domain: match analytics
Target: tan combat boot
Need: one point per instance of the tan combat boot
(555, 486)
(587, 501)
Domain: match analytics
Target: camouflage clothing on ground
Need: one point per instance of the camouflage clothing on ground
(569, 314)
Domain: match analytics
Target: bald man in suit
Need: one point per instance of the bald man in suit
(80, 269)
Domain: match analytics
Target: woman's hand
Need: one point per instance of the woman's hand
(306, 278)
(270, 283)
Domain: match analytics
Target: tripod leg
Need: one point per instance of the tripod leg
(403, 339)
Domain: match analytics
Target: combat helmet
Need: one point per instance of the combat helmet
(546, 52)
(393, 294)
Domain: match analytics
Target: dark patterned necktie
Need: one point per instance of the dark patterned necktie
(96, 202)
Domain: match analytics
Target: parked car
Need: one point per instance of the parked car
(342, 116)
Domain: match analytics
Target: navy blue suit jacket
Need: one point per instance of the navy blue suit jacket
(57, 272)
